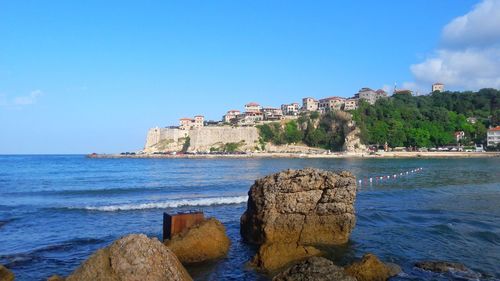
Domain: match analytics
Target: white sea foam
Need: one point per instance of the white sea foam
(207, 201)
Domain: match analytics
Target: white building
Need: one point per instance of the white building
(331, 103)
(253, 107)
(437, 87)
(190, 123)
(309, 104)
(493, 136)
(351, 104)
(272, 113)
(459, 135)
(250, 118)
(230, 115)
(290, 109)
(370, 95)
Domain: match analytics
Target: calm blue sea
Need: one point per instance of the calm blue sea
(56, 210)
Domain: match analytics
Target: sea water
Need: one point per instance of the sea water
(55, 211)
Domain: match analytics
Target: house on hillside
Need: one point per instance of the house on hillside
(230, 115)
(331, 103)
(309, 104)
(191, 123)
(272, 113)
(253, 107)
(291, 109)
(370, 95)
(493, 136)
(437, 87)
(351, 104)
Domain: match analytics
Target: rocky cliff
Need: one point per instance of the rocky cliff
(201, 139)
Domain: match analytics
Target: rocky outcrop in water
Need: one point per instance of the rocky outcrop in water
(308, 206)
(132, 258)
(201, 242)
(370, 268)
(287, 212)
(6, 274)
(314, 269)
(272, 256)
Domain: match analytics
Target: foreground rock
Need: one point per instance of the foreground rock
(6, 274)
(370, 268)
(201, 242)
(314, 269)
(55, 278)
(273, 256)
(308, 206)
(132, 258)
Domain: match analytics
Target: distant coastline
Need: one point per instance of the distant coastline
(447, 154)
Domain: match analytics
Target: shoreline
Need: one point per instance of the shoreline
(304, 155)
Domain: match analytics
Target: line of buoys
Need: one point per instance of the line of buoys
(394, 176)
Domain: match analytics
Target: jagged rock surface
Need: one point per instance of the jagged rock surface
(314, 269)
(132, 258)
(353, 142)
(369, 268)
(204, 241)
(308, 206)
(6, 274)
(273, 256)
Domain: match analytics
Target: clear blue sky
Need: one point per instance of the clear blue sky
(93, 76)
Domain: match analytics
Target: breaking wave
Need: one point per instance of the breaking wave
(207, 201)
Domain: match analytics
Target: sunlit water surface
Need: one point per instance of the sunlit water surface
(56, 210)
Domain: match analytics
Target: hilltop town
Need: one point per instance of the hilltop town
(254, 113)
(366, 124)
(240, 131)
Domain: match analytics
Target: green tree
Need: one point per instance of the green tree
(292, 132)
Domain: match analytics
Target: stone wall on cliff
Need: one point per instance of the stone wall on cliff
(201, 139)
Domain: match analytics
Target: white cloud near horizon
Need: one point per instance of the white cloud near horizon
(469, 53)
(30, 99)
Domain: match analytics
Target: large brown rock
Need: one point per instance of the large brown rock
(314, 269)
(273, 256)
(308, 206)
(369, 268)
(6, 274)
(132, 258)
(204, 241)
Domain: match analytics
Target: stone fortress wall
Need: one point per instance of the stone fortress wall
(201, 139)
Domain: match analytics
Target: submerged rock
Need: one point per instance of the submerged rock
(6, 274)
(454, 269)
(204, 241)
(314, 269)
(55, 278)
(273, 256)
(370, 268)
(441, 266)
(308, 206)
(132, 258)
(394, 269)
